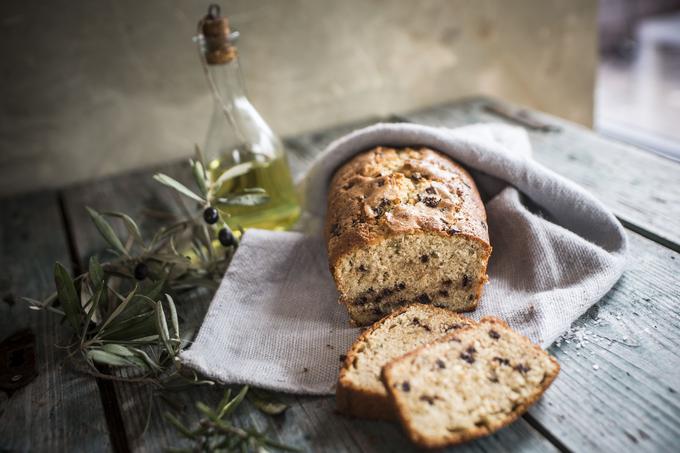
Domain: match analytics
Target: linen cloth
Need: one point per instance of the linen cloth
(275, 321)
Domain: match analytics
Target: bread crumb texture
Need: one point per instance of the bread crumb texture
(467, 384)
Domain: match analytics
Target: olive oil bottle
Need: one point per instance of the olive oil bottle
(237, 134)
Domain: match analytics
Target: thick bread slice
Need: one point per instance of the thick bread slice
(467, 384)
(360, 392)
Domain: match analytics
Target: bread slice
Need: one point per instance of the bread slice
(403, 226)
(467, 384)
(360, 392)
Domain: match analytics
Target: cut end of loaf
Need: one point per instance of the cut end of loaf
(445, 271)
(468, 384)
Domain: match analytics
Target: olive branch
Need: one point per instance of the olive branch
(122, 313)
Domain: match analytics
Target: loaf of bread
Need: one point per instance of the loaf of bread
(360, 392)
(467, 384)
(405, 225)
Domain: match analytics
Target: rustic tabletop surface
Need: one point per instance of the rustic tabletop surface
(618, 389)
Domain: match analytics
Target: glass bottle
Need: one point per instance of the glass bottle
(237, 134)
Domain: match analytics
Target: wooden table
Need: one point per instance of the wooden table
(618, 390)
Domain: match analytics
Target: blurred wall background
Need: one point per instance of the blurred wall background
(90, 88)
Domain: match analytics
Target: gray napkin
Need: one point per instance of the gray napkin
(275, 321)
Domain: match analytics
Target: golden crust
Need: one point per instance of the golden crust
(471, 434)
(386, 192)
(360, 403)
(356, 402)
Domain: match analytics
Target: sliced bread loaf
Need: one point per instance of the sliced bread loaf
(467, 384)
(360, 392)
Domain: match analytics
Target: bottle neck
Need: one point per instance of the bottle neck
(226, 82)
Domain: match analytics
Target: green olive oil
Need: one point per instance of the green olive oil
(282, 209)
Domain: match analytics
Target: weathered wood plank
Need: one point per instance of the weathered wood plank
(61, 409)
(619, 389)
(310, 423)
(643, 189)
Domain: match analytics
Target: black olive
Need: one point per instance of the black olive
(226, 237)
(141, 271)
(210, 215)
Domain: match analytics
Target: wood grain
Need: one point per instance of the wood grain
(641, 188)
(619, 389)
(60, 410)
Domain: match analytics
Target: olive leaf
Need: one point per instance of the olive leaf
(163, 328)
(34, 304)
(173, 316)
(107, 358)
(169, 258)
(68, 296)
(118, 350)
(86, 295)
(233, 172)
(142, 327)
(186, 432)
(206, 410)
(152, 364)
(198, 157)
(96, 299)
(118, 310)
(225, 400)
(231, 405)
(245, 199)
(266, 402)
(130, 224)
(107, 231)
(178, 186)
(199, 176)
(97, 275)
(153, 292)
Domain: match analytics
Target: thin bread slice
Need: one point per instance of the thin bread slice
(360, 393)
(468, 384)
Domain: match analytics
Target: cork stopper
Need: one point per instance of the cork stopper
(215, 30)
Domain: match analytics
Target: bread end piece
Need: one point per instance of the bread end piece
(360, 392)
